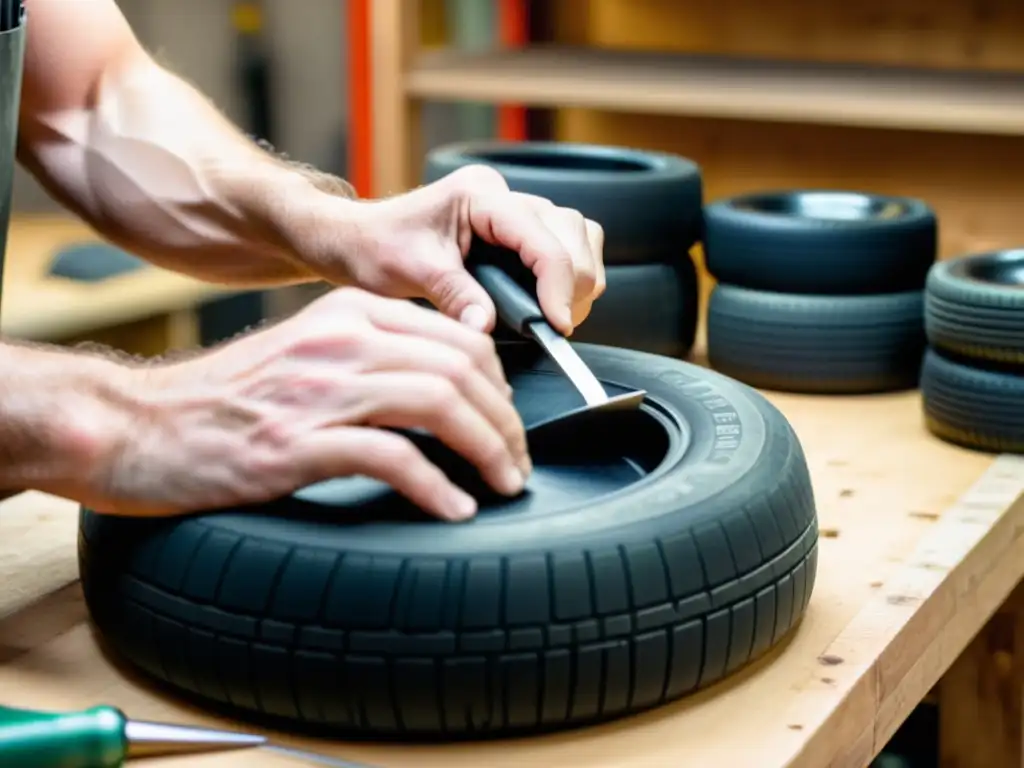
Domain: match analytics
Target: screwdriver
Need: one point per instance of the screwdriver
(103, 737)
(523, 314)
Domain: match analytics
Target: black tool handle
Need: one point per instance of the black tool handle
(515, 306)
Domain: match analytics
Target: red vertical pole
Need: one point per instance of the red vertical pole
(513, 32)
(360, 102)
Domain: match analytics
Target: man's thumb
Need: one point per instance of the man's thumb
(458, 295)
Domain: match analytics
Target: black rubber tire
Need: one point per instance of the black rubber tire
(817, 344)
(648, 203)
(968, 312)
(972, 407)
(503, 625)
(647, 307)
(768, 242)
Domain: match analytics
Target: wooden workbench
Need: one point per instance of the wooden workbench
(142, 312)
(921, 543)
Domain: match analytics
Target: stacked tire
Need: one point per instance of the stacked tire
(819, 291)
(972, 382)
(649, 205)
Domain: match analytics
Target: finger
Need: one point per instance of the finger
(595, 240)
(511, 221)
(398, 316)
(391, 353)
(426, 401)
(385, 456)
(556, 280)
(400, 352)
(571, 229)
(462, 298)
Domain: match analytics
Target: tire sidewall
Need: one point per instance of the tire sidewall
(734, 434)
(779, 252)
(655, 214)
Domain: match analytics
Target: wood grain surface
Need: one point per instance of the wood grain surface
(921, 542)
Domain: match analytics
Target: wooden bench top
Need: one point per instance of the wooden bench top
(921, 542)
(36, 306)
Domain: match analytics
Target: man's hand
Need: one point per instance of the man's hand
(303, 401)
(151, 164)
(414, 246)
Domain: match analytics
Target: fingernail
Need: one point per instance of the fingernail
(512, 481)
(526, 467)
(474, 316)
(463, 506)
(567, 319)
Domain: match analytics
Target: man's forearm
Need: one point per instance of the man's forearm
(58, 412)
(154, 167)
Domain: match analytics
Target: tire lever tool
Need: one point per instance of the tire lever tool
(103, 737)
(523, 314)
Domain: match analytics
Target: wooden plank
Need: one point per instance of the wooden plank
(947, 34)
(38, 550)
(149, 337)
(42, 308)
(915, 555)
(394, 39)
(750, 89)
(434, 24)
(980, 709)
(571, 22)
(949, 585)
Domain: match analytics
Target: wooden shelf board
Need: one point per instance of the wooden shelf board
(962, 102)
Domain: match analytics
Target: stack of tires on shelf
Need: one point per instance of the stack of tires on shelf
(649, 205)
(972, 383)
(818, 291)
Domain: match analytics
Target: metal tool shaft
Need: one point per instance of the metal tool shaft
(311, 759)
(560, 350)
(147, 739)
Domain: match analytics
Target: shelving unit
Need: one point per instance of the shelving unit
(721, 87)
(903, 96)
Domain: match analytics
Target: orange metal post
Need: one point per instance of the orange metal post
(513, 32)
(360, 140)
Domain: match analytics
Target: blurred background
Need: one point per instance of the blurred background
(913, 97)
(890, 96)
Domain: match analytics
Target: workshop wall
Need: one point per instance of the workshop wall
(972, 180)
(978, 35)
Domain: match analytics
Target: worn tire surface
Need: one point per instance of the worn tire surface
(502, 625)
(648, 203)
(972, 407)
(969, 313)
(816, 344)
(647, 307)
(820, 242)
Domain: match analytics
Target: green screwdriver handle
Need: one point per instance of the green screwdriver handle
(90, 738)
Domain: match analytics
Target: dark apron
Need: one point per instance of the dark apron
(12, 57)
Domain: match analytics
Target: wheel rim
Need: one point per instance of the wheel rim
(825, 206)
(605, 457)
(1002, 268)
